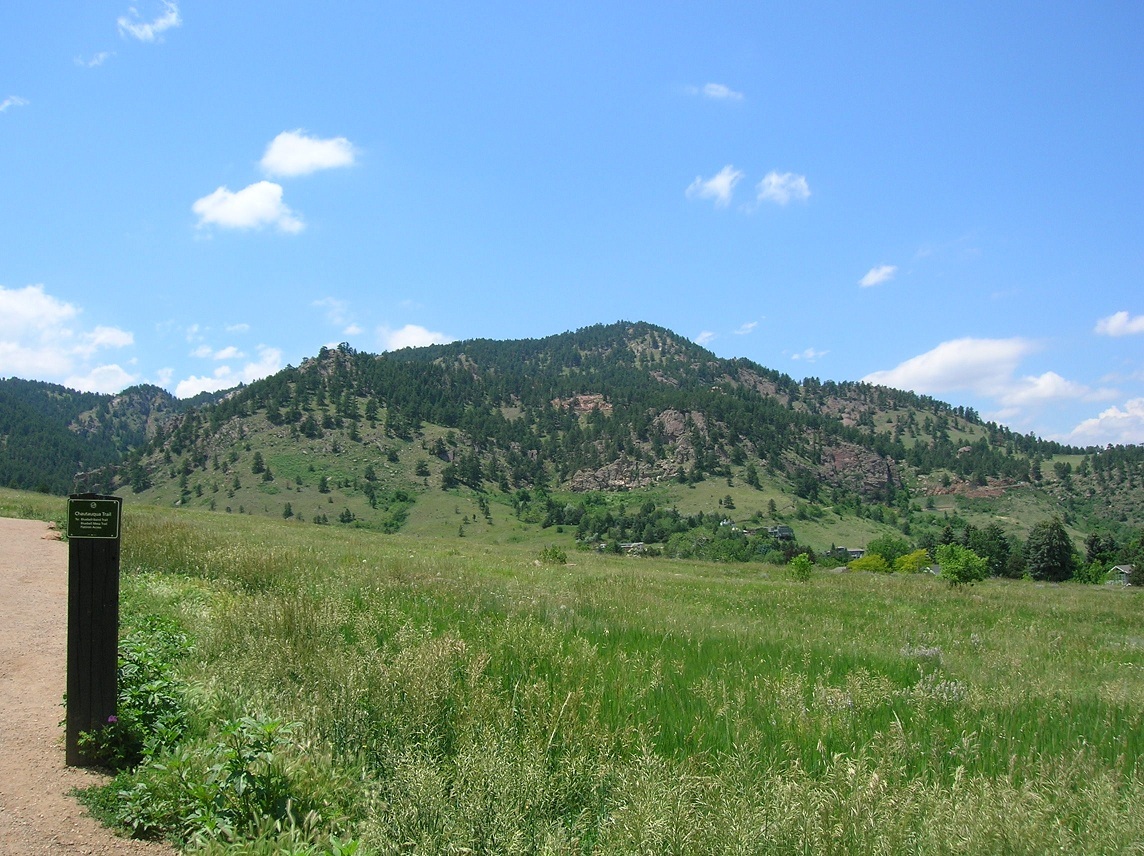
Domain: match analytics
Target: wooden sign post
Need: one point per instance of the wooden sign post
(93, 616)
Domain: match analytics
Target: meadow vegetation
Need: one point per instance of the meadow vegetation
(340, 690)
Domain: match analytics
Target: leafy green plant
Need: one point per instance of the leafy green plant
(151, 713)
(252, 781)
(870, 562)
(800, 567)
(960, 565)
(552, 555)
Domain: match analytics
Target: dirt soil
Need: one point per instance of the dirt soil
(37, 812)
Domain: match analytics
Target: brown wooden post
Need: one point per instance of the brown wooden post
(93, 617)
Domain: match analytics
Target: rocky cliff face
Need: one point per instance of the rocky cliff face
(851, 466)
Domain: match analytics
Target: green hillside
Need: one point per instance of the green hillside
(612, 434)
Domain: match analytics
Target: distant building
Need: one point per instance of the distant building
(1121, 574)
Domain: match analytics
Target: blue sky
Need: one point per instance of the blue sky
(947, 198)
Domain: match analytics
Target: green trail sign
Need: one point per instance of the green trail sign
(94, 517)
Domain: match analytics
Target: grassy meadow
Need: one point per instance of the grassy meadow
(345, 689)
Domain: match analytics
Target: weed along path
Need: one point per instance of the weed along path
(37, 813)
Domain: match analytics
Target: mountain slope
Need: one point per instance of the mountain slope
(620, 407)
(49, 434)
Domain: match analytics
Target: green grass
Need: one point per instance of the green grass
(483, 699)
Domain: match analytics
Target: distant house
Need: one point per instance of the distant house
(782, 533)
(1121, 574)
(855, 553)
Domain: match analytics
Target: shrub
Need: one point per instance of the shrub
(800, 567)
(552, 555)
(871, 562)
(960, 565)
(912, 563)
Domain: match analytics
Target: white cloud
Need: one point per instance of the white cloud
(96, 61)
(877, 275)
(149, 31)
(781, 188)
(293, 153)
(810, 355)
(39, 340)
(206, 352)
(987, 368)
(1120, 324)
(747, 328)
(410, 336)
(719, 187)
(30, 309)
(1050, 386)
(983, 365)
(352, 330)
(1113, 426)
(237, 328)
(269, 361)
(103, 337)
(706, 337)
(717, 92)
(12, 101)
(253, 207)
(107, 379)
(337, 311)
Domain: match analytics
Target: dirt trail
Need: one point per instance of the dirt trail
(37, 815)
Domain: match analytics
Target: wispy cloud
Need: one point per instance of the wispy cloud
(878, 275)
(410, 336)
(716, 92)
(294, 153)
(12, 101)
(1120, 324)
(268, 362)
(338, 314)
(810, 355)
(260, 204)
(747, 328)
(706, 337)
(719, 187)
(781, 188)
(150, 31)
(206, 352)
(95, 61)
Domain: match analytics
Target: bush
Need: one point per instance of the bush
(1093, 573)
(960, 565)
(800, 567)
(552, 555)
(871, 562)
(912, 563)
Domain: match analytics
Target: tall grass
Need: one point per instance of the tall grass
(488, 702)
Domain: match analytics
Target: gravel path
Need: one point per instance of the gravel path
(37, 815)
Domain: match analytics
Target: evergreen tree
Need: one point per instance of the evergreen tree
(1049, 552)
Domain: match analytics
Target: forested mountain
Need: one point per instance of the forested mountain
(50, 434)
(609, 408)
